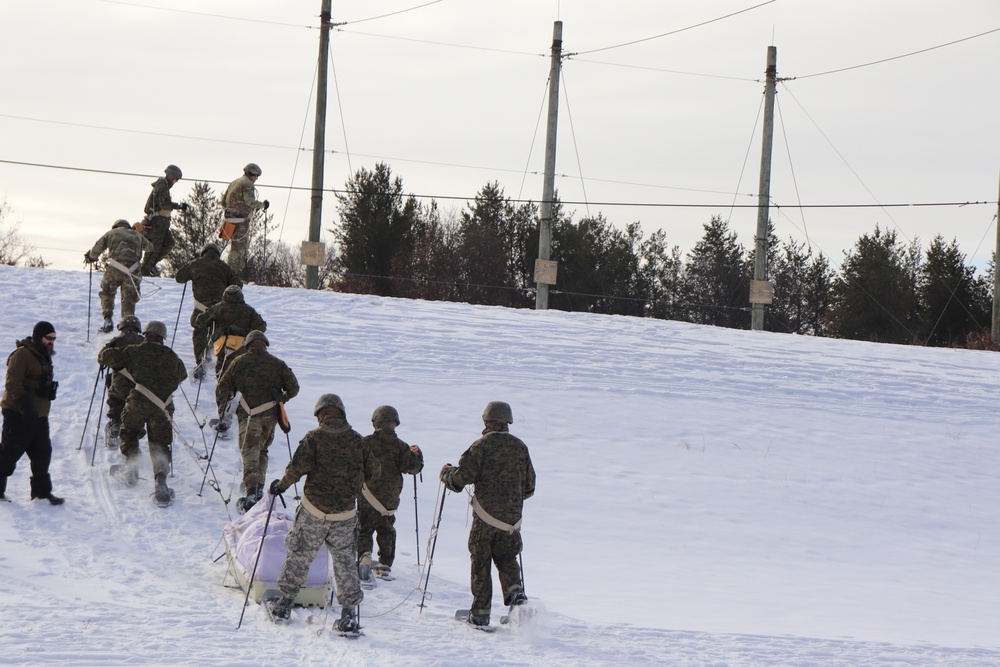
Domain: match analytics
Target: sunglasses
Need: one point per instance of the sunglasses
(51, 338)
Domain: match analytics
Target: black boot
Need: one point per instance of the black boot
(162, 494)
(348, 620)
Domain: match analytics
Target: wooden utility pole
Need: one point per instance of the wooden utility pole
(548, 185)
(758, 301)
(319, 141)
(996, 280)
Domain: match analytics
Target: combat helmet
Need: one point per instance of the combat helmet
(254, 336)
(233, 294)
(252, 170)
(122, 224)
(155, 328)
(329, 401)
(498, 411)
(212, 246)
(385, 413)
(173, 171)
(130, 322)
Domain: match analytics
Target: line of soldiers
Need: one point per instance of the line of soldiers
(135, 250)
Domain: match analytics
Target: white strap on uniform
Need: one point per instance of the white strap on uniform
(339, 516)
(199, 306)
(373, 501)
(263, 407)
(165, 212)
(127, 270)
(492, 520)
(153, 398)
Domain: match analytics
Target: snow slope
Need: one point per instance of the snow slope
(705, 496)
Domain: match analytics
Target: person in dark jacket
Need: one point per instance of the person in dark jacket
(231, 320)
(499, 466)
(209, 277)
(28, 393)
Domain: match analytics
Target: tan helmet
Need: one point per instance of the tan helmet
(385, 413)
(498, 411)
(173, 171)
(252, 170)
(130, 322)
(215, 247)
(155, 328)
(329, 401)
(122, 224)
(254, 336)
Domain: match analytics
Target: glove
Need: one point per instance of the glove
(446, 468)
(185, 207)
(87, 259)
(266, 204)
(276, 489)
(415, 450)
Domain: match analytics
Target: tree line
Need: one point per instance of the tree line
(390, 244)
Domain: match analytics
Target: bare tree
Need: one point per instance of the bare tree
(14, 250)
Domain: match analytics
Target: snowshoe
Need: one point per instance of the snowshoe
(383, 572)
(111, 434)
(348, 625)
(107, 327)
(277, 607)
(221, 427)
(162, 494)
(125, 473)
(365, 577)
(199, 373)
(474, 621)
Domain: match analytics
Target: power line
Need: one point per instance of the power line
(570, 202)
(674, 32)
(885, 60)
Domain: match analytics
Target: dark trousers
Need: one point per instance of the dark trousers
(26, 435)
(490, 546)
(385, 533)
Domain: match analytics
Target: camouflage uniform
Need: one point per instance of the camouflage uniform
(125, 247)
(500, 467)
(119, 386)
(261, 378)
(156, 226)
(396, 459)
(336, 462)
(209, 277)
(233, 319)
(160, 370)
(27, 396)
(240, 202)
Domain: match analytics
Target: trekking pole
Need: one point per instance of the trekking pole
(209, 466)
(201, 424)
(100, 371)
(90, 296)
(416, 515)
(97, 433)
(296, 484)
(433, 543)
(178, 320)
(253, 573)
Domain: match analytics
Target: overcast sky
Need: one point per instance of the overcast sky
(661, 106)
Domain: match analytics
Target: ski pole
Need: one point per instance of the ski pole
(178, 320)
(253, 572)
(416, 515)
(430, 554)
(97, 433)
(296, 484)
(100, 370)
(90, 297)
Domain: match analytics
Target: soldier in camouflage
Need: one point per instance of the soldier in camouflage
(119, 386)
(125, 247)
(263, 382)
(209, 277)
(380, 498)
(499, 466)
(230, 321)
(240, 204)
(156, 225)
(157, 372)
(336, 463)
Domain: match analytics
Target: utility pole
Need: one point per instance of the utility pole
(996, 281)
(760, 291)
(319, 142)
(548, 184)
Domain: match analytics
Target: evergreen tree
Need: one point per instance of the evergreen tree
(717, 279)
(663, 270)
(955, 303)
(376, 225)
(192, 230)
(803, 291)
(876, 297)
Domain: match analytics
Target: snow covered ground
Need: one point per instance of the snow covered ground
(705, 496)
